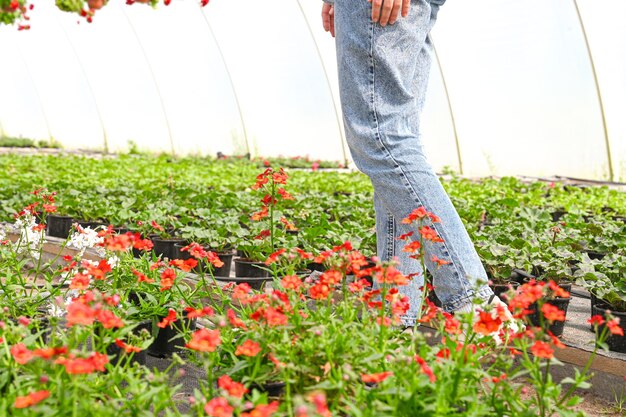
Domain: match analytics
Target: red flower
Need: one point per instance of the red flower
(248, 348)
(50, 352)
(263, 234)
(319, 291)
(418, 213)
(263, 410)
(118, 243)
(77, 366)
(127, 348)
(321, 406)
(486, 324)
(32, 398)
(260, 214)
(205, 340)
(452, 325)
(284, 194)
(425, 368)
(390, 275)
(439, 262)
(412, 247)
(375, 378)
(80, 313)
(21, 353)
(614, 327)
(141, 277)
(429, 233)
(596, 320)
(331, 277)
(167, 279)
(234, 389)
(241, 293)
(234, 320)
(108, 319)
(214, 259)
(552, 313)
(558, 291)
(218, 407)
(274, 256)
(171, 318)
(186, 265)
(275, 317)
(291, 282)
(99, 271)
(80, 282)
(405, 236)
(542, 350)
(193, 313)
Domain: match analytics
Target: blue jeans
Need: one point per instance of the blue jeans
(383, 75)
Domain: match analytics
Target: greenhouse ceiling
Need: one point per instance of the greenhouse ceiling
(520, 87)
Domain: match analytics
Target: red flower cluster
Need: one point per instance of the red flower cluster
(205, 340)
(234, 389)
(31, 399)
(75, 366)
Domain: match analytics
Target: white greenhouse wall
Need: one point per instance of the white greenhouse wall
(513, 89)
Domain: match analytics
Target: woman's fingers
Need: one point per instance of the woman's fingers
(406, 5)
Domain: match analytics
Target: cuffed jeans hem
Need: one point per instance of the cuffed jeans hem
(408, 321)
(484, 293)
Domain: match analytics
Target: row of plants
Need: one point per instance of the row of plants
(549, 231)
(74, 332)
(19, 142)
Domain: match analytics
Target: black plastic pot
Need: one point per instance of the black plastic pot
(557, 214)
(165, 247)
(91, 225)
(615, 342)
(169, 339)
(59, 226)
(250, 269)
(561, 303)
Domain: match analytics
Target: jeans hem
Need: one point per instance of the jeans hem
(483, 293)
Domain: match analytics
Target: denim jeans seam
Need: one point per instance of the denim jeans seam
(391, 233)
(458, 273)
(484, 293)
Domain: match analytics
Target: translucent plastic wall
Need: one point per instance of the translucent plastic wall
(528, 87)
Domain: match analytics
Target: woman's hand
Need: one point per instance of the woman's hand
(387, 11)
(328, 18)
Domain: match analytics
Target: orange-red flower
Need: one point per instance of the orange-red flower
(218, 407)
(291, 282)
(487, 324)
(109, 320)
(168, 276)
(234, 320)
(79, 282)
(319, 291)
(275, 317)
(99, 271)
(418, 213)
(50, 352)
(542, 350)
(248, 348)
(260, 214)
(375, 378)
(596, 320)
(262, 410)
(21, 353)
(205, 340)
(234, 389)
(331, 277)
(127, 348)
(558, 291)
(425, 368)
(264, 233)
(184, 265)
(171, 318)
(80, 313)
(552, 313)
(429, 233)
(614, 327)
(319, 401)
(439, 262)
(412, 247)
(77, 366)
(274, 256)
(118, 243)
(193, 313)
(31, 399)
(241, 293)
(141, 277)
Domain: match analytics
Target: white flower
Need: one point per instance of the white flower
(85, 239)
(113, 261)
(31, 240)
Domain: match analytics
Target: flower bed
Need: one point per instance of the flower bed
(73, 330)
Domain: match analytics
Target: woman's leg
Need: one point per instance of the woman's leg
(383, 74)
